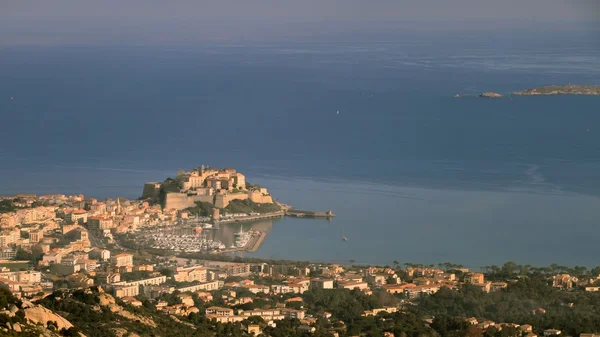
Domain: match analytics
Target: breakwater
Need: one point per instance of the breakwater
(309, 214)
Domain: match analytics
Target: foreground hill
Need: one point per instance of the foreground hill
(96, 313)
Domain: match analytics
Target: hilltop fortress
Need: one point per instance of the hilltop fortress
(205, 184)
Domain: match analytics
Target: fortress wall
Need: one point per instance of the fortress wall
(260, 198)
(202, 198)
(178, 201)
(222, 201)
(181, 201)
(151, 190)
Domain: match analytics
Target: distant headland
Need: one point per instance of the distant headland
(568, 89)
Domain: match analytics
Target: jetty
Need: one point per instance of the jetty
(309, 214)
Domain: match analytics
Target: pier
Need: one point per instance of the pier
(309, 214)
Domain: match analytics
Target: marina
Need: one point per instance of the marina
(193, 236)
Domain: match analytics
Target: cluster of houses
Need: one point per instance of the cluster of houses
(62, 234)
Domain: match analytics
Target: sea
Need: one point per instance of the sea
(368, 128)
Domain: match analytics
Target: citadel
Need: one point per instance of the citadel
(207, 184)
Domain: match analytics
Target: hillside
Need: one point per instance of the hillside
(22, 318)
(98, 314)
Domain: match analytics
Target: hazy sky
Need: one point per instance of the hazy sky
(31, 21)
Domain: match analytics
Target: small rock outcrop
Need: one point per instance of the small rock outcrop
(490, 94)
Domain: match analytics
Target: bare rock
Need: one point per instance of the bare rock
(41, 315)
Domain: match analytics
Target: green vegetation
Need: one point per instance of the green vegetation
(248, 206)
(170, 185)
(81, 308)
(201, 209)
(7, 206)
(16, 266)
(250, 186)
(518, 303)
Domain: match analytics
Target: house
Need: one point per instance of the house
(191, 274)
(186, 300)
(254, 329)
(475, 278)
(307, 328)
(122, 260)
(551, 332)
(526, 328)
(219, 311)
(564, 281)
(398, 288)
(294, 299)
(420, 291)
(126, 291)
(255, 289)
(495, 286)
(321, 284)
(353, 285)
(292, 313)
(225, 319)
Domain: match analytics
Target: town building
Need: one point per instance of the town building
(78, 216)
(122, 260)
(100, 223)
(321, 284)
(191, 274)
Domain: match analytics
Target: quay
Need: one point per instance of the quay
(272, 215)
(309, 214)
(252, 245)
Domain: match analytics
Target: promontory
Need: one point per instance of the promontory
(569, 89)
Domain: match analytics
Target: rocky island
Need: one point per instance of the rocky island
(569, 89)
(490, 95)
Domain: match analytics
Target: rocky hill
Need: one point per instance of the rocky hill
(23, 318)
(98, 314)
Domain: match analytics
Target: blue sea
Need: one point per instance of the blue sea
(412, 173)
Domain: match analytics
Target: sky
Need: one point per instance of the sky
(159, 21)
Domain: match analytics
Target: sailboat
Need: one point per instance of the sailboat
(344, 238)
